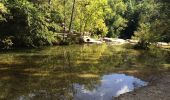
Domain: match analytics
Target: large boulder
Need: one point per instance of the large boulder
(88, 39)
(115, 41)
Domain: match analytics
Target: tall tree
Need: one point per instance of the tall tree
(72, 15)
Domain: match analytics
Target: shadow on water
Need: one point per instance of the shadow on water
(64, 73)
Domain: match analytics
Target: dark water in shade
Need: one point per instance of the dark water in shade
(77, 72)
(111, 86)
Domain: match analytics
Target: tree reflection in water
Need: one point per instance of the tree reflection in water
(55, 73)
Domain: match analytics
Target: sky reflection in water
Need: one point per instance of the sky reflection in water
(111, 85)
(77, 72)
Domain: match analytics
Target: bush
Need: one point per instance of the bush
(6, 43)
(27, 24)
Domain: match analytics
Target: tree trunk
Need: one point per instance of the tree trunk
(49, 1)
(64, 15)
(72, 15)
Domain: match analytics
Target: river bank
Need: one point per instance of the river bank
(158, 89)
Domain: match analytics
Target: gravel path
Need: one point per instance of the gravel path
(159, 89)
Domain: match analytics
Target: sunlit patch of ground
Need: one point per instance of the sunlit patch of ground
(5, 78)
(41, 73)
(90, 61)
(166, 66)
(29, 69)
(88, 75)
(129, 71)
(3, 68)
(166, 47)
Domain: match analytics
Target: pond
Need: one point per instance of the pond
(77, 72)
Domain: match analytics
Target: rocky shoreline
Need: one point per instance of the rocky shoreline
(158, 89)
(117, 41)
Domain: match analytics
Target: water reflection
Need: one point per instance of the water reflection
(111, 86)
(60, 73)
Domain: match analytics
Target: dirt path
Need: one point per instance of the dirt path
(159, 89)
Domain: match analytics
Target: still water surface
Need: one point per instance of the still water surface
(111, 86)
(77, 72)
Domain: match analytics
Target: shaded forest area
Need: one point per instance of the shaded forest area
(34, 23)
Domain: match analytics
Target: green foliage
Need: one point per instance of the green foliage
(114, 19)
(149, 10)
(163, 23)
(27, 24)
(33, 23)
(153, 25)
(3, 10)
